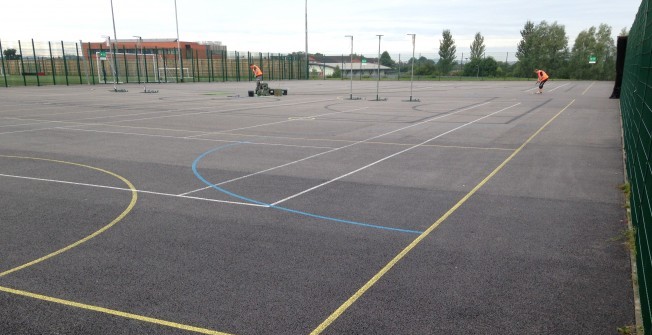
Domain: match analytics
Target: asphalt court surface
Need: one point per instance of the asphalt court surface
(482, 208)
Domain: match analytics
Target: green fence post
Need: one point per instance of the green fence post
(65, 63)
(79, 72)
(138, 64)
(145, 64)
(2, 60)
(22, 63)
(90, 57)
(165, 67)
(54, 80)
(38, 80)
(124, 55)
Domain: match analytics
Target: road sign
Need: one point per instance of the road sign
(364, 60)
(593, 59)
(102, 55)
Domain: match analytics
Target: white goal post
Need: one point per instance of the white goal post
(130, 64)
(172, 73)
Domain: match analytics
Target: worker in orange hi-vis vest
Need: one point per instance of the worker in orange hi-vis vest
(258, 73)
(542, 78)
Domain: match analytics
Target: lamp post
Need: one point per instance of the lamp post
(351, 67)
(412, 75)
(378, 81)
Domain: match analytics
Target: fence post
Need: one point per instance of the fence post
(65, 64)
(2, 59)
(38, 80)
(54, 80)
(78, 65)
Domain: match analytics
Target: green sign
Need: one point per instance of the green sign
(593, 59)
(102, 55)
(364, 60)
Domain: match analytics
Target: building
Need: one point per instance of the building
(358, 69)
(158, 46)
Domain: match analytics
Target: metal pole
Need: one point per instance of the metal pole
(115, 39)
(176, 18)
(307, 64)
(378, 81)
(412, 76)
(351, 67)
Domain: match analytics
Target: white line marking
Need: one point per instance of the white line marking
(127, 189)
(278, 122)
(336, 149)
(390, 156)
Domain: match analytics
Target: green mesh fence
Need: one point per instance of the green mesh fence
(24, 63)
(636, 107)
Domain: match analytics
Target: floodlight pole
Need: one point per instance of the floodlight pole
(351, 67)
(115, 51)
(412, 75)
(307, 58)
(176, 18)
(378, 81)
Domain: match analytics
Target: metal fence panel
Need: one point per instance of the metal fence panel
(636, 107)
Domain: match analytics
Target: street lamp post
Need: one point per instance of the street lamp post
(378, 81)
(351, 67)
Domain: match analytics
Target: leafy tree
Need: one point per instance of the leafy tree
(446, 52)
(542, 46)
(477, 47)
(424, 67)
(10, 54)
(624, 32)
(337, 72)
(481, 67)
(386, 60)
(598, 43)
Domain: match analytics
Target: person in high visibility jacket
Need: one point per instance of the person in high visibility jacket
(258, 73)
(542, 78)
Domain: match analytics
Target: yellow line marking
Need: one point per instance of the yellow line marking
(110, 311)
(423, 235)
(587, 89)
(134, 197)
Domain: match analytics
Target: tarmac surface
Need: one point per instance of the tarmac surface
(481, 208)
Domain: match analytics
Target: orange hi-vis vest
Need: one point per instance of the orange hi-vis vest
(257, 71)
(542, 75)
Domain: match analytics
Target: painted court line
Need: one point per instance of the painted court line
(132, 203)
(109, 311)
(391, 156)
(338, 148)
(278, 122)
(348, 303)
(285, 209)
(131, 190)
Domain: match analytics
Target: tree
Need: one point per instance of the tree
(543, 46)
(386, 60)
(477, 47)
(599, 44)
(10, 54)
(424, 67)
(624, 32)
(446, 52)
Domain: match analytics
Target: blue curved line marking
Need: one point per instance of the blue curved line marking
(285, 209)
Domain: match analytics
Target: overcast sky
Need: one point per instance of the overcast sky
(279, 25)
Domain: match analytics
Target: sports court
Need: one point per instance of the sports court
(479, 209)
